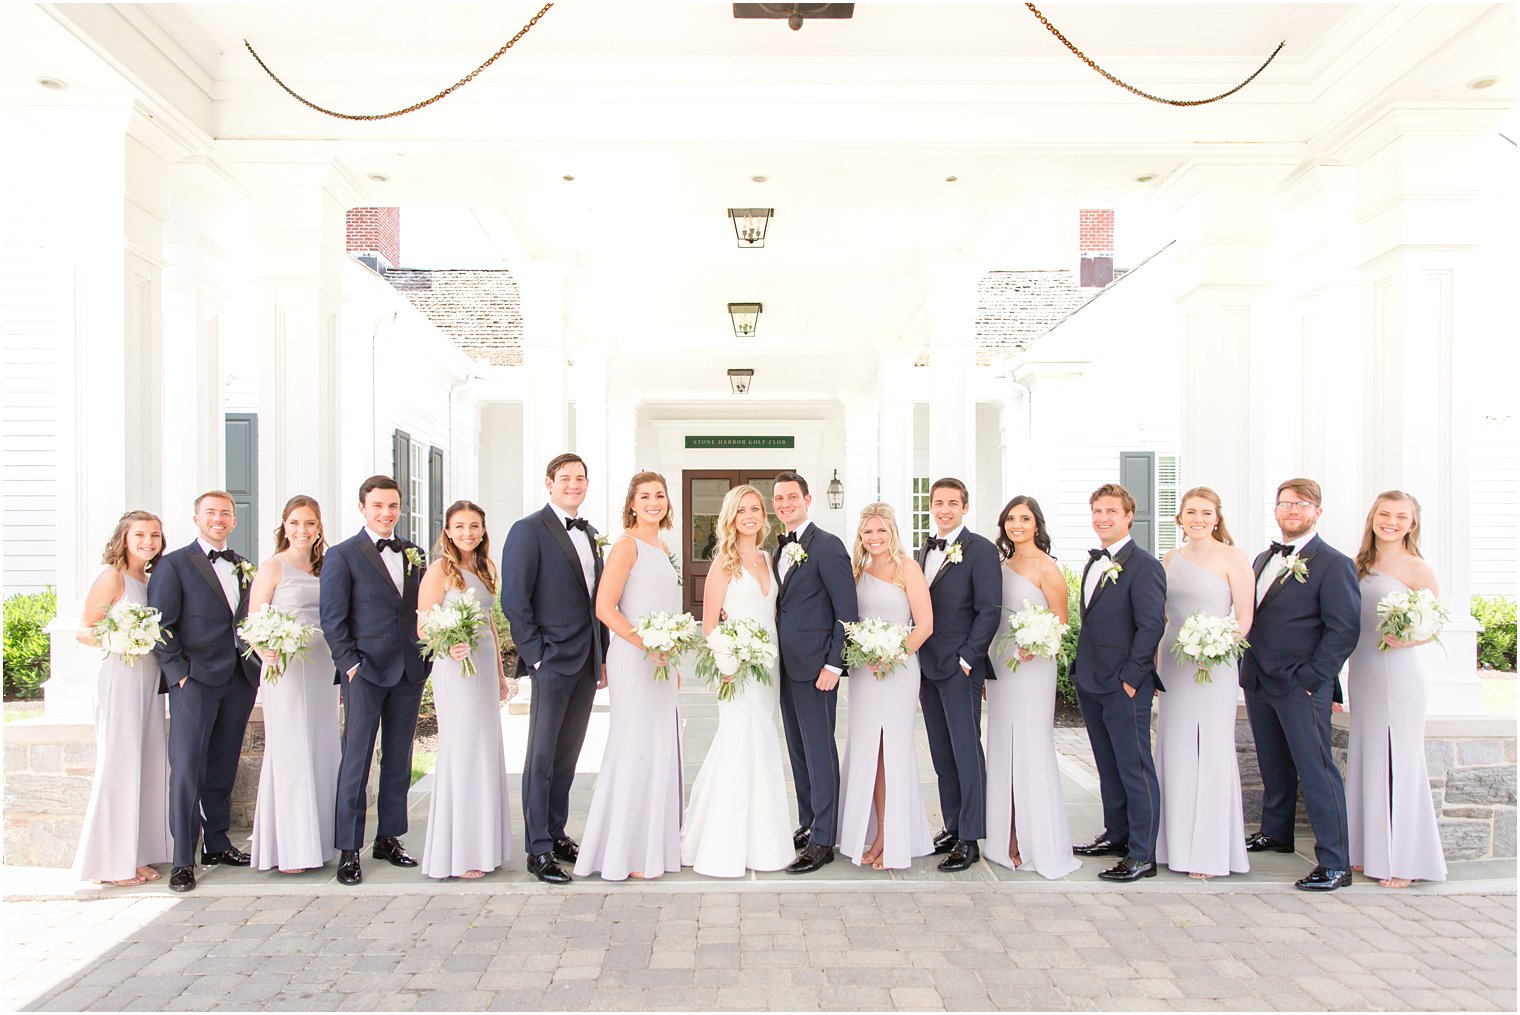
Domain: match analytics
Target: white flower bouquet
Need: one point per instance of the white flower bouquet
(876, 643)
(672, 635)
(736, 654)
(130, 631)
(457, 621)
(1205, 640)
(1412, 615)
(279, 631)
(1033, 629)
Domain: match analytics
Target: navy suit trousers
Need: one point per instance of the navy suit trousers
(1119, 728)
(558, 713)
(807, 715)
(1292, 734)
(953, 721)
(371, 711)
(206, 727)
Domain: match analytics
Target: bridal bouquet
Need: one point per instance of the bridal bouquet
(1412, 615)
(737, 653)
(279, 631)
(129, 630)
(453, 622)
(1205, 641)
(1035, 630)
(876, 643)
(669, 634)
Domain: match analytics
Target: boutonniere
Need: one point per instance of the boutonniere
(246, 571)
(1112, 569)
(676, 567)
(1294, 567)
(954, 554)
(601, 543)
(415, 561)
(794, 554)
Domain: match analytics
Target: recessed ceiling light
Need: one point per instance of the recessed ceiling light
(379, 177)
(55, 85)
(568, 178)
(1145, 177)
(951, 179)
(1478, 84)
(758, 179)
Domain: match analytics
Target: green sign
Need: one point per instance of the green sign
(741, 442)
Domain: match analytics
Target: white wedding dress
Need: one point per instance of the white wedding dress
(737, 817)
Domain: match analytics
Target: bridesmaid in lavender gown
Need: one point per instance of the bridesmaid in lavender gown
(1201, 824)
(1391, 818)
(469, 827)
(1026, 810)
(881, 814)
(634, 827)
(126, 826)
(293, 817)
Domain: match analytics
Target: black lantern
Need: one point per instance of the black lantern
(750, 225)
(739, 378)
(746, 318)
(836, 492)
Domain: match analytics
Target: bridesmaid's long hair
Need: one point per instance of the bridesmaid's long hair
(727, 553)
(1367, 555)
(638, 480)
(859, 557)
(116, 555)
(318, 545)
(1041, 532)
(453, 560)
(1220, 532)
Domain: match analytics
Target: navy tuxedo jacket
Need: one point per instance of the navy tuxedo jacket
(815, 599)
(543, 594)
(366, 622)
(1303, 632)
(1122, 626)
(200, 629)
(968, 600)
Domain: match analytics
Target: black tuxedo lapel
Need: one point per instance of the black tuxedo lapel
(804, 541)
(1103, 583)
(562, 537)
(203, 565)
(1284, 578)
(945, 564)
(368, 550)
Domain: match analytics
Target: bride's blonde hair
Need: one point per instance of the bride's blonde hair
(727, 553)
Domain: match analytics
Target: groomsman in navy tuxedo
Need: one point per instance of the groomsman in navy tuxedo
(368, 605)
(550, 568)
(1123, 616)
(967, 593)
(1308, 620)
(816, 597)
(201, 591)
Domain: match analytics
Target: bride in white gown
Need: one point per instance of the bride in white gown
(737, 817)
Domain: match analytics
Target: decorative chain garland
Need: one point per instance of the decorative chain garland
(1131, 88)
(414, 106)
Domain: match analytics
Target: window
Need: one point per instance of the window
(920, 512)
(418, 470)
(1167, 533)
(417, 495)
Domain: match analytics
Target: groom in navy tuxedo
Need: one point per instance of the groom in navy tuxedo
(550, 568)
(1123, 617)
(368, 606)
(1308, 620)
(201, 593)
(967, 592)
(815, 599)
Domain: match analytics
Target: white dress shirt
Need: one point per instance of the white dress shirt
(581, 540)
(936, 558)
(226, 573)
(392, 559)
(786, 564)
(1273, 569)
(1096, 572)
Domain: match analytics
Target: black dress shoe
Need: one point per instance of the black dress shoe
(962, 855)
(567, 850)
(389, 848)
(349, 871)
(1324, 879)
(1102, 847)
(812, 857)
(1129, 870)
(945, 841)
(229, 857)
(543, 867)
(1261, 843)
(800, 837)
(182, 879)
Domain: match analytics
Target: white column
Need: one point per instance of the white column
(862, 459)
(463, 471)
(604, 498)
(622, 452)
(896, 434)
(542, 287)
(1013, 436)
(952, 355)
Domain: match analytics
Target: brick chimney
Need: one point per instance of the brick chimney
(1095, 241)
(374, 236)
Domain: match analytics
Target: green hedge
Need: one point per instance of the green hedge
(26, 642)
(1496, 641)
(1065, 689)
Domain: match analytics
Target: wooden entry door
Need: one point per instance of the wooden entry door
(702, 493)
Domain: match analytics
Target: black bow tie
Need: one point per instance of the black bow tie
(394, 543)
(1093, 555)
(226, 555)
(787, 537)
(576, 523)
(1286, 549)
(936, 543)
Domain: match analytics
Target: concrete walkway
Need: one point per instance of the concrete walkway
(844, 938)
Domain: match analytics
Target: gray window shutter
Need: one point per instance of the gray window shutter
(401, 471)
(435, 494)
(1137, 471)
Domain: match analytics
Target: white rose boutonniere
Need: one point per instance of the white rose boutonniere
(794, 554)
(415, 561)
(246, 571)
(1294, 567)
(954, 554)
(601, 542)
(1112, 569)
